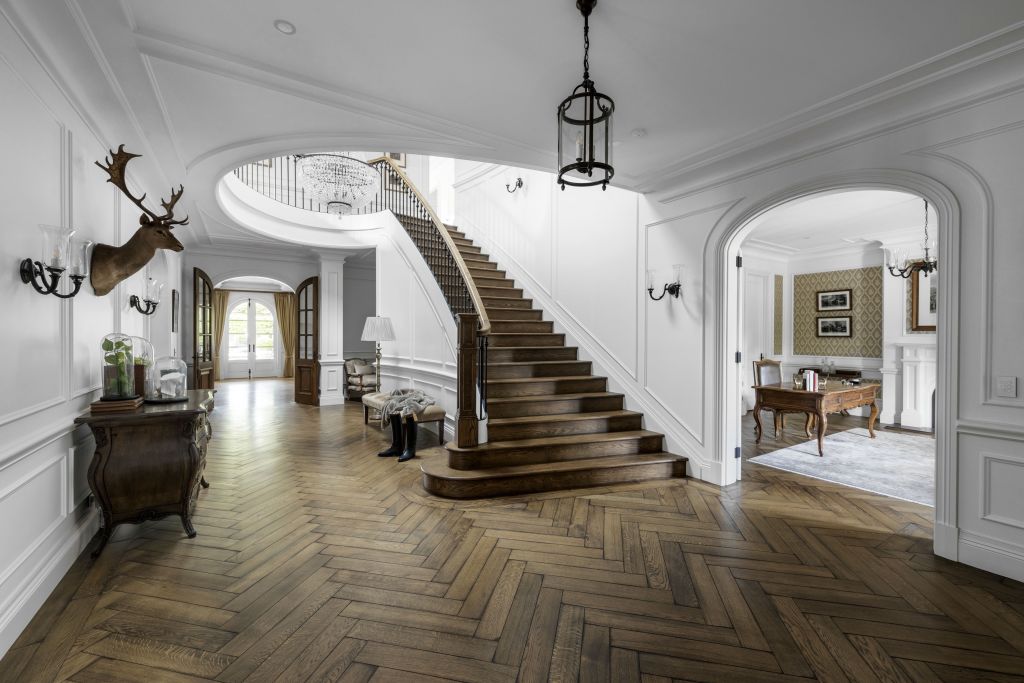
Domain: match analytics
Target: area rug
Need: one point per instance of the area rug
(892, 464)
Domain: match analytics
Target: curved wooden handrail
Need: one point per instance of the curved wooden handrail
(474, 294)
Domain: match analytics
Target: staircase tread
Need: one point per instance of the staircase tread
(525, 380)
(509, 334)
(563, 417)
(563, 439)
(436, 468)
(522, 363)
(553, 397)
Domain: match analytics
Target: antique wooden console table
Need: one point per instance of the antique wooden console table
(149, 463)
(816, 404)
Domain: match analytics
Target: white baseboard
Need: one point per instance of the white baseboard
(993, 555)
(71, 539)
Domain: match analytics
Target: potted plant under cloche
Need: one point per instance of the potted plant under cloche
(118, 368)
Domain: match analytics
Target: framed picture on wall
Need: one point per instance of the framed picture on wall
(924, 301)
(174, 310)
(835, 327)
(836, 300)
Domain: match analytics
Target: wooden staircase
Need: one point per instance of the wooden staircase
(552, 424)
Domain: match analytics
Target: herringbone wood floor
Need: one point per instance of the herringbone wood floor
(318, 561)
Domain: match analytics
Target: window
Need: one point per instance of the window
(250, 331)
(238, 332)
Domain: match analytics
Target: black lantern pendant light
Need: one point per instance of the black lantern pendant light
(585, 125)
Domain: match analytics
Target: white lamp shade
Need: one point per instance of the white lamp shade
(378, 329)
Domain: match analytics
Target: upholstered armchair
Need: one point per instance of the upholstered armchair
(360, 378)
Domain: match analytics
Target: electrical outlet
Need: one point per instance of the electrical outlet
(1006, 387)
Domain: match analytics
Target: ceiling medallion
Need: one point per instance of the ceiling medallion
(901, 266)
(339, 182)
(585, 125)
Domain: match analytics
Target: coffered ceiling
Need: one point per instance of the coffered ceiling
(206, 85)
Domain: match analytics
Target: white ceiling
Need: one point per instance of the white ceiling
(254, 283)
(830, 221)
(206, 85)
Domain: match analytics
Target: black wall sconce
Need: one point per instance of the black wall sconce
(45, 275)
(512, 188)
(147, 305)
(673, 289)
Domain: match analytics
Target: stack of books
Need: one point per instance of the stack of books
(124, 406)
(810, 380)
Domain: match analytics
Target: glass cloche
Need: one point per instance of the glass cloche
(144, 355)
(168, 378)
(118, 368)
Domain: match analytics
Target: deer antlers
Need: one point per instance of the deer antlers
(115, 166)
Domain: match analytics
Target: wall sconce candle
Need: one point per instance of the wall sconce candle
(674, 289)
(45, 274)
(512, 188)
(151, 299)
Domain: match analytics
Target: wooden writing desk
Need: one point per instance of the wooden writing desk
(149, 463)
(816, 404)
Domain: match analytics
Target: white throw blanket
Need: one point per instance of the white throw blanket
(404, 402)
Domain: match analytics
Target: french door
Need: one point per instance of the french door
(202, 330)
(252, 343)
(307, 343)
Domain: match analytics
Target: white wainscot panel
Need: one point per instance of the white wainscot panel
(30, 194)
(34, 492)
(991, 504)
(1003, 489)
(429, 346)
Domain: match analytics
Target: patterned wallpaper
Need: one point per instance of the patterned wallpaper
(778, 316)
(866, 315)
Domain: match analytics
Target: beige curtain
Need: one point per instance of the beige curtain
(220, 323)
(287, 318)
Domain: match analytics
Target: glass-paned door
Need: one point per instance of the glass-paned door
(252, 340)
(202, 330)
(307, 349)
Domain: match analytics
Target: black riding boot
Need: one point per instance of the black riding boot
(396, 438)
(410, 440)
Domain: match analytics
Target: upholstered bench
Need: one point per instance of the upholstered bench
(377, 400)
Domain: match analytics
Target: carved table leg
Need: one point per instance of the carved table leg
(872, 418)
(822, 426)
(758, 429)
(808, 422)
(778, 423)
(186, 523)
(202, 482)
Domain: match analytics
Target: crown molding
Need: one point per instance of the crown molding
(987, 49)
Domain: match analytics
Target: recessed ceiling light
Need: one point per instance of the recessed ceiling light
(638, 132)
(285, 27)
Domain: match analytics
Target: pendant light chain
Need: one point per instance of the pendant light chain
(926, 223)
(586, 47)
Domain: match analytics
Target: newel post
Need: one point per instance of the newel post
(466, 421)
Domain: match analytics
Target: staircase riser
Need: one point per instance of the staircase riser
(552, 481)
(481, 265)
(504, 292)
(514, 355)
(501, 303)
(506, 340)
(564, 428)
(535, 455)
(477, 259)
(485, 271)
(571, 405)
(468, 249)
(544, 388)
(515, 314)
(493, 282)
(544, 370)
(538, 326)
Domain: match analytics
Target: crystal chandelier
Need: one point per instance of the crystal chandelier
(901, 266)
(339, 182)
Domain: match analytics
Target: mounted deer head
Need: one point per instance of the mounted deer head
(110, 264)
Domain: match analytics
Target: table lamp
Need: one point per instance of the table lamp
(378, 329)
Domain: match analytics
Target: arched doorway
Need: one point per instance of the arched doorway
(730, 329)
(253, 340)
